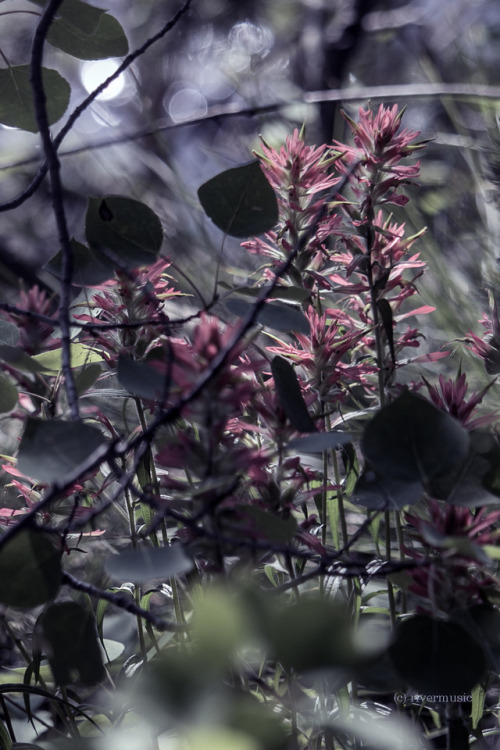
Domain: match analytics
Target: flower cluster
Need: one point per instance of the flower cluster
(452, 568)
(379, 147)
(35, 330)
(451, 397)
(487, 347)
(328, 354)
(345, 247)
(121, 304)
(299, 174)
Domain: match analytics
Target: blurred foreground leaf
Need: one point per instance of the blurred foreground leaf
(275, 315)
(437, 656)
(30, 569)
(148, 563)
(71, 643)
(8, 394)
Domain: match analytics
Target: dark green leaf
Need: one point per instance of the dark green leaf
(271, 527)
(127, 229)
(19, 359)
(8, 394)
(316, 633)
(487, 447)
(86, 377)
(72, 647)
(16, 98)
(5, 738)
(437, 656)
(379, 676)
(376, 492)
(51, 449)
(240, 201)
(275, 315)
(385, 311)
(148, 563)
(90, 266)
(140, 379)
(70, 33)
(30, 569)
(88, 16)
(474, 482)
(290, 395)
(9, 333)
(483, 622)
(410, 440)
(320, 441)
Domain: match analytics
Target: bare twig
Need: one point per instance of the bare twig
(127, 62)
(461, 91)
(53, 166)
(122, 601)
(129, 59)
(96, 458)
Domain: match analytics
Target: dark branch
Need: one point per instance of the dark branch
(44, 167)
(53, 166)
(124, 602)
(458, 91)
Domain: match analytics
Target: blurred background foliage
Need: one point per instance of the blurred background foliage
(137, 139)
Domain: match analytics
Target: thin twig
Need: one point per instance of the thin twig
(123, 601)
(44, 167)
(53, 166)
(95, 328)
(462, 91)
(139, 443)
(96, 458)
(127, 62)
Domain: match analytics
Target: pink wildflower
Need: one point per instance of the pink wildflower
(379, 147)
(298, 173)
(450, 541)
(34, 333)
(129, 299)
(326, 356)
(451, 398)
(488, 347)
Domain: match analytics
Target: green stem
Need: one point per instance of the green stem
(137, 589)
(140, 625)
(324, 501)
(390, 588)
(155, 486)
(4, 59)
(6, 718)
(376, 323)
(72, 725)
(399, 531)
(28, 659)
(340, 499)
(294, 744)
